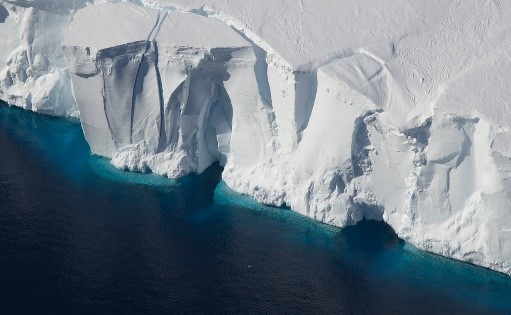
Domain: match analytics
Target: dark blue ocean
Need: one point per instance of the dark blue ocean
(78, 236)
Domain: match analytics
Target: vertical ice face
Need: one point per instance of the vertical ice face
(108, 66)
(176, 91)
(292, 94)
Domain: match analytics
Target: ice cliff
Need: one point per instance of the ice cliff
(342, 110)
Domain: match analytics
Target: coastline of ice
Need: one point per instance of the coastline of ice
(396, 113)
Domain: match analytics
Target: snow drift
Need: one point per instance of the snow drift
(342, 110)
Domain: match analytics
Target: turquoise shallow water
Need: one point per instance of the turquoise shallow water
(79, 236)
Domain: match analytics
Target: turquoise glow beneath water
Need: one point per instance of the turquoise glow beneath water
(194, 245)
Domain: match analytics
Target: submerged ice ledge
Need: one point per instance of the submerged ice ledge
(410, 130)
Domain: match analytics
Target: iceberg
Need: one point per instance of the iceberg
(341, 110)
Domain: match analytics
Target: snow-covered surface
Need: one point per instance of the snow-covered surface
(342, 110)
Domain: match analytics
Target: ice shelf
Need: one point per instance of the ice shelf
(342, 110)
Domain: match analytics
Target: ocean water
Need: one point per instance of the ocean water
(78, 236)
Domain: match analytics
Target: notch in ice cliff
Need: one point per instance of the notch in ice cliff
(340, 110)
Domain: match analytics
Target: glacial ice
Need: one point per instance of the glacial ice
(342, 110)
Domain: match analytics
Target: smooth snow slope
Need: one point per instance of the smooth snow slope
(340, 109)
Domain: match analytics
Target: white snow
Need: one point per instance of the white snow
(342, 110)
(34, 75)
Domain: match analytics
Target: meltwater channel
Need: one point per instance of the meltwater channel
(77, 235)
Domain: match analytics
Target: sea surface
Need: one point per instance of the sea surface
(78, 236)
